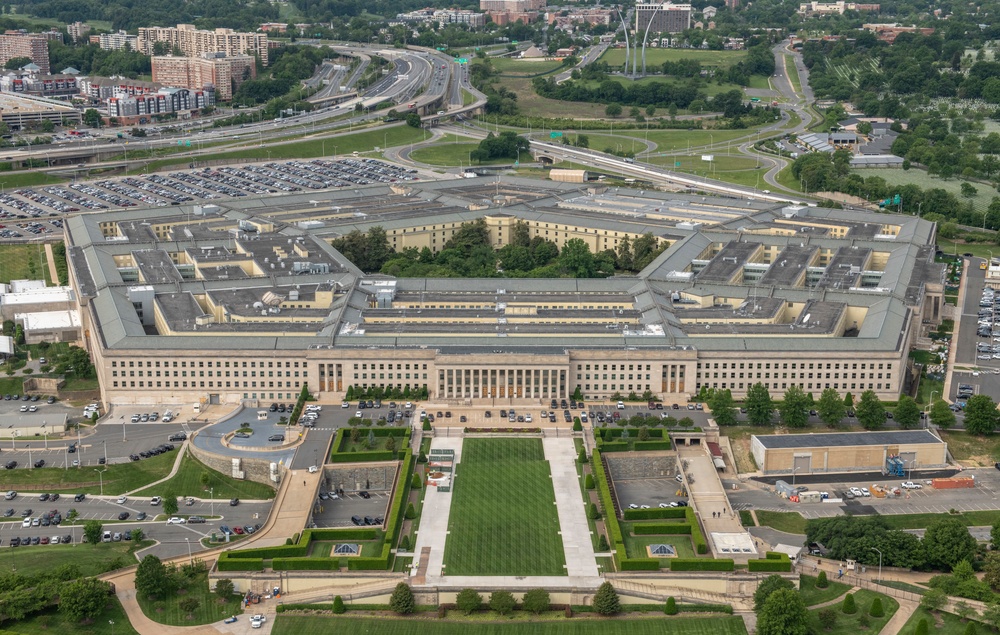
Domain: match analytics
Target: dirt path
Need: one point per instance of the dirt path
(51, 259)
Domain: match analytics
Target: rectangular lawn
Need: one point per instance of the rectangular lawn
(503, 518)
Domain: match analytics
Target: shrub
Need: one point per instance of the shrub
(404, 543)
(411, 512)
(653, 514)
(468, 601)
(921, 628)
(876, 609)
(594, 513)
(701, 564)
(415, 482)
(606, 600)
(588, 482)
(670, 608)
(640, 564)
(970, 629)
(821, 581)
(582, 458)
(577, 426)
(602, 544)
(338, 606)
(402, 601)
(426, 426)
(536, 601)
(502, 602)
(828, 618)
(849, 607)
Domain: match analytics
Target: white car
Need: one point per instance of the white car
(865, 492)
(26, 523)
(122, 500)
(358, 414)
(667, 505)
(911, 485)
(633, 506)
(346, 404)
(856, 491)
(155, 501)
(409, 406)
(175, 520)
(527, 418)
(643, 506)
(257, 621)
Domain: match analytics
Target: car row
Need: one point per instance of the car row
(239, 531)
(367, 520)
(25, 541)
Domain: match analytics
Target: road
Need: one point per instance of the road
(591, 54)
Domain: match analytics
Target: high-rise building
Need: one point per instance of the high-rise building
(194, 43)
(77, 30)
(118, 41)
(666, 17)
(34, 46)
(224, 73)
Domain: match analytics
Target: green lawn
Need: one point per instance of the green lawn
(187, 482)
(793, 74)
(503, 517)
(657, 56)
(14, 180)
(981, 201)
(312, 625)
(18, 262)
(760, 82)
(528, 67)
(91, 559)
(850, 624)
(970, 447)
(940, 624)
(453, 150)
(813, 596)
(117, 479)
(212, 609)
(53, 621)
(791, 522)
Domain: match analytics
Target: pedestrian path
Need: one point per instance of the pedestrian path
(434, 517)
(577, 542)
(902, 615)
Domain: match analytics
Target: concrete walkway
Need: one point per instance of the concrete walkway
(50, 257)
(577, 542)
(433, 530)
(895, 624)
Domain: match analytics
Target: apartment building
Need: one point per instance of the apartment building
(116, 41)
(666, 17)
(34, 46)
(223, 72)
(77, 30)
(195, 43)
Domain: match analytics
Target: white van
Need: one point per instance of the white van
(621, 405)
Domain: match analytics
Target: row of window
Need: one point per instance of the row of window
(204, 364)
(795, 366)
(614, 367)
(613, 376)
(201, 384)
(390, 367)
(628, 387)
(202, 373)
(809, 386)
(793, 376)
(391, 376)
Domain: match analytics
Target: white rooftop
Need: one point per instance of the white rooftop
(49, 320)
(6, 345)
(733, 544)
(44, 295)
(18, 286)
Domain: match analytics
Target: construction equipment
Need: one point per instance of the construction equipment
(894, 466)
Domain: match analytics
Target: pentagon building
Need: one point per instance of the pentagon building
(248, 300)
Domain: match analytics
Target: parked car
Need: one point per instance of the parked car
(911, 485)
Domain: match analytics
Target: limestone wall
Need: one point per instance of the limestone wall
(258, 470)
(638, 465)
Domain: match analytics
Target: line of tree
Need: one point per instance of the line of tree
(506, 145)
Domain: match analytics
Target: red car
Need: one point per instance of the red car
(238, 530)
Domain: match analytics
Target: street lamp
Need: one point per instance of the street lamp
(211, 492)
(879, 562)
(794, 470)
(112, 623)
(190, 557)
(100, 473)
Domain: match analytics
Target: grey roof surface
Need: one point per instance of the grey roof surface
(847, 439)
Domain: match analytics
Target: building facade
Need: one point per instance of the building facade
(666, 17)
(223, 73)
(195, 43)
(34, 46)
(117, 41)
(77, 31)
(165, 100)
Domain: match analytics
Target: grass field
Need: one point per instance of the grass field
(940, 624)
(973, 448)
(791, 522)
(710, 88)
(187, 482)
(503, 518)
(528, 101)
(813, 596)
(850, 624)
(793, 74)
(922, 179)
(167, 611)
(509, 66)
(18, 262)
(117, 479)
(452, 150)
(91, 559)
(14, 180)
(53, 621)
(657, 56)
(310, 625)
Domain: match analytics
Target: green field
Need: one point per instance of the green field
(970, 447)
(709, 88)
(813, 596)
(91, 559)
(187, 482)
(212, 609)
(710, 625)
(53, 621)
(453, 150)
(528, 67)
(791, 522)
(922, 179)
(940, 623)
(850, 624)
(794, 523)
(13, 180)
(503, 519)
(18, 262)
(117, 479)
(793, 74)
(657, 56)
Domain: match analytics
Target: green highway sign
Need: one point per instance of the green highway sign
(555, 135)
(463, 60)
(677, 164)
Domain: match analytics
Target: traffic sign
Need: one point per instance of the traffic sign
(677, 164)
(463, 60)
(517, 163)
(555, 135)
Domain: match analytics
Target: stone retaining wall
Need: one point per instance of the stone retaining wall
(637, 465)
(353, 478)
(257, 470)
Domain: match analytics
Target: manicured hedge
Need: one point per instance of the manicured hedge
(705, 608)
(610, 434)
(362, 457)
(701, 564)
(653, 445)
(640, 564)
(226, 563)
(337, 456)
(281, 608)
(617, 446)
(305, 564)
(610, 519)
(367, 564)
(773, 561)
(650, 514)
(661, 528)
(697, 537)
(342, 534)
(397, 509)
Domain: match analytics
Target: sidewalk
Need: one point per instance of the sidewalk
(578, 545)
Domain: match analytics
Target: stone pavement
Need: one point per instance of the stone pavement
(434, 516)
(577, 542)
(707, 493)
(895, 624)
(291, 512)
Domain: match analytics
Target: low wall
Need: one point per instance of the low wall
(638, 465)
(258, 470)
(356, 477)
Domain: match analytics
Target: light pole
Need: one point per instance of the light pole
(29, 456)
(879, 563)
(112, 623)
(211, 492)
(105, 452)
(794, 470)
(190, 557)
(100, 474)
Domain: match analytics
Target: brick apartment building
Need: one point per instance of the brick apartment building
(195, 43)
(225, 73)
(34, 46)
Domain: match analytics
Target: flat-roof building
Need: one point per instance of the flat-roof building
(195, 42)
(249, 301)
(666, 17)
(847, 451)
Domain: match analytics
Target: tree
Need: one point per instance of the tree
(921, 628)
(848, 607)
(670, 608)
(784, 613)
(84, 599)
(152, 578)
(864, 128)
(468, 601)
(401, 601)
(170, 505)
(795, 408)
(606, 600)
(970, 629)
(536, 601)
(759, 406)
(980, 415)
(224, 589)
(613, 110)
(907, 413)
(876, 609)
(136, 534)
(941, 415)
(593, 512)
(588, 482)
(821, 581)
(205, 478)
(991, 570)
(602, 544)
(502, 602)
(92, 530)
(415, 482)
(946, 542)
(411, 511)
(189, 605)
(968, 190)
(413, 120)
(934, 600)
(870, 411)
(964, 611)
(15, 63)
(767, 587)
(338, 605)
(831, 407)
(723, 407)
(92, 118)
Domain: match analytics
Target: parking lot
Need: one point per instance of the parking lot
(35, 212)
(654, 492)
(338, 512)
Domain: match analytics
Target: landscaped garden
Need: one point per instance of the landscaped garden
(503, 519)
